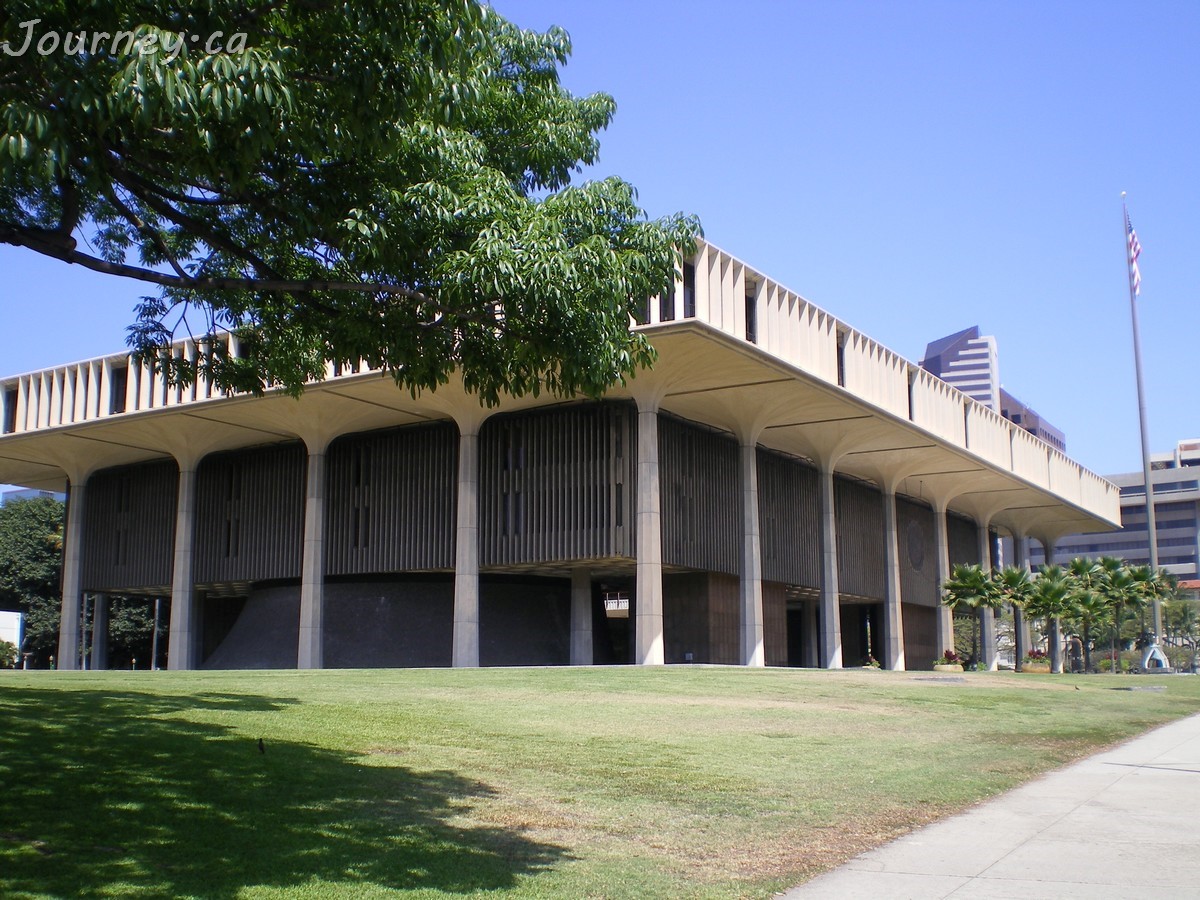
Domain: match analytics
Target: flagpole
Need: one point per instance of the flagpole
(1151, 526)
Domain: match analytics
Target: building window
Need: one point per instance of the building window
(361, 478)
(841, 359)
(10, 410)
(118, 385)
(641, 312)
(233, 498)
(689, 291)
(751, 313)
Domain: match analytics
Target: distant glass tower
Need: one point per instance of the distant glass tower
(967, 360)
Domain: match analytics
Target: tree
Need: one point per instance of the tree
(374, 182)
(1090, 604)
(1116, 583)
(976, 590)
(1050, 598)
(1014, 585)
(30, 564)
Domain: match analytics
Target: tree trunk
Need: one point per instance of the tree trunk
(1019, 648)
(1056, 656)
(1087, 649)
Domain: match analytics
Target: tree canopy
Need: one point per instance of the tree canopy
(30, 564)
(335, 182)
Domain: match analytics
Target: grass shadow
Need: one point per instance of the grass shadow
(118, 792)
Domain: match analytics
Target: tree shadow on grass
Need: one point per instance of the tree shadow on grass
(116, 792)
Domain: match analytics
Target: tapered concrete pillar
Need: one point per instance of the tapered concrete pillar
(831, 607)
(99, 632)
(310, 653)
(1056, 654)
(183, 638)
(581, 617)
(648, 625)
(945, 617)
(893, 612)
(750, 591)
(987, 617)
(1022, 639)
(72, 577)
(466, 552)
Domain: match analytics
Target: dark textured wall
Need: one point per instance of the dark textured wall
(962, 539)
(558, 484)
(789, 517)
(524, 622)
(701, 497)
(381, 624)
(129, 527)
(920, 636)
(918, 553)
(775, 624)
(701, 617)
(860, 537)
(391, 501)
(250, 515)
(265, 634)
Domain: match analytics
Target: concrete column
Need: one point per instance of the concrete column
(466, 552)
(648, 626)
(99, 632)
(1056, 654)
(945, 617)
(1021, 635)
(310, 654)
(812, 634)
(581, 617)
(893, 615)
(182, 639)
(72, 577)
(987, 616)
(831, 607)
(750, 590)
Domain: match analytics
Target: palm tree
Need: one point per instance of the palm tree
(1116, 583)
(1091, 609)
(967, 588)
(1141, 592)
(1051, 599)
(1013, 585)
(1088, 605)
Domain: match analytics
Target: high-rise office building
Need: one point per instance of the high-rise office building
(968, 361)
(1176, 478)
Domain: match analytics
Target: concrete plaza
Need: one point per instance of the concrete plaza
(1123, 823)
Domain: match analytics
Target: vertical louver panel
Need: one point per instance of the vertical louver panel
(250, 514)
(391, 501)
(789, 520)
(701, 497)
(962, 537)
(557, 484)
(129, 527)
(860, 537)
(918, 553)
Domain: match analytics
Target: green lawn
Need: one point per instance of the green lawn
(617, 782)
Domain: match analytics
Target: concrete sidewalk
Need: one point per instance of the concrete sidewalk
(1124, 823)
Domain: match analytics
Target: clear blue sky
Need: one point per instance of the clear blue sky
(914, 168)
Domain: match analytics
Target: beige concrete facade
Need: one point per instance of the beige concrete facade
(737, 352)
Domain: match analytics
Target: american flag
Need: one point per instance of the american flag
(1135, 250)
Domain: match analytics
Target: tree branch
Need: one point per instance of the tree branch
(42, 242)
